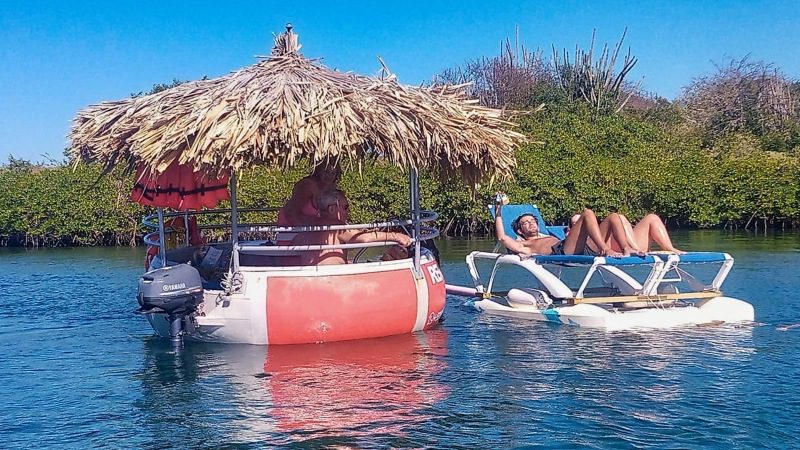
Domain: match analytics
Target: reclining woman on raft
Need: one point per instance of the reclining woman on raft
(641, 237)
(531, 242)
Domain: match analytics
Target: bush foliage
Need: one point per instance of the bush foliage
(726, 154)
(623, 163)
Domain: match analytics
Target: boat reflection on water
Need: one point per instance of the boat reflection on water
(334, 392)
(366, 387)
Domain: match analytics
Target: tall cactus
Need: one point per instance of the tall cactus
(595, 82)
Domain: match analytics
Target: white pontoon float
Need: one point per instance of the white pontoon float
(652, 291)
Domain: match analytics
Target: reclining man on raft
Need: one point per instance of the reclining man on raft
(334, 209)
(531, 242)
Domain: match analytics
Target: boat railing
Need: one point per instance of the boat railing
(152, 238)
(151, 221)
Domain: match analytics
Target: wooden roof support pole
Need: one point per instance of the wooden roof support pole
(647, 298)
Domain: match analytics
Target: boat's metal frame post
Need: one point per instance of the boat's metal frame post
(598, 261)
(162, 244)
(473, 272)
(723, 273)
(413, 182)
(234, 225)
(186, 242)
(656, 275)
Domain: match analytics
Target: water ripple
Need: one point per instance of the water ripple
(79, 369)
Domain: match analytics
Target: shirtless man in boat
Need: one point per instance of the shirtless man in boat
(531, 241)
(334, 209)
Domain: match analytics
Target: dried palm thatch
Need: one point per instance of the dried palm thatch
(286, 108)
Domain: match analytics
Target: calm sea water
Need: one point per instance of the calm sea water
(78, 369)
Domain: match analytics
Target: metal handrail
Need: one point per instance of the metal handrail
(425, 216)
(427, 233)
(151, 221)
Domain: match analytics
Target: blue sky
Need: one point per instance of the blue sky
(57, 57)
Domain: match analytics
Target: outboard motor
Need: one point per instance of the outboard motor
(176, 291)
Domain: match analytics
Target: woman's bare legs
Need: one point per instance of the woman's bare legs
(639, 238)
(651, 229)
(605, 233)
(627, 231)
(584, 228)
(626, 224)
(618, 234)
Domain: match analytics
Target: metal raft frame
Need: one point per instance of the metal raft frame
(665, 269)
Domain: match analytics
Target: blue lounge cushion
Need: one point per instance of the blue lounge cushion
(588, 260)
(703, 257)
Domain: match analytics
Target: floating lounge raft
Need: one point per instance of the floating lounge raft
(659, 290)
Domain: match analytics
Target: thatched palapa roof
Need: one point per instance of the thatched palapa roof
(286, 108)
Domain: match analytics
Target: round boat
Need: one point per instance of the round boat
(255, 292)
(271, 304)
(188, 144)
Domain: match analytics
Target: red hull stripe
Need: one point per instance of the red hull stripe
(340, 307)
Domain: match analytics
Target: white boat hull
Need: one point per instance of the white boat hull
(312, 304)
(664, 295)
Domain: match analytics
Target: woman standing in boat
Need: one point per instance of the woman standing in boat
(301, 208)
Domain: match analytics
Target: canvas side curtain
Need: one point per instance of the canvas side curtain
(179, 188)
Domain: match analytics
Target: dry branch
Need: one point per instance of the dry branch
(742, 96)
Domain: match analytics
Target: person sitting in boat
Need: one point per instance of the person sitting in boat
(394, 252)
(640, 237)
(335, 210)
(530, 241)
(301, 209)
